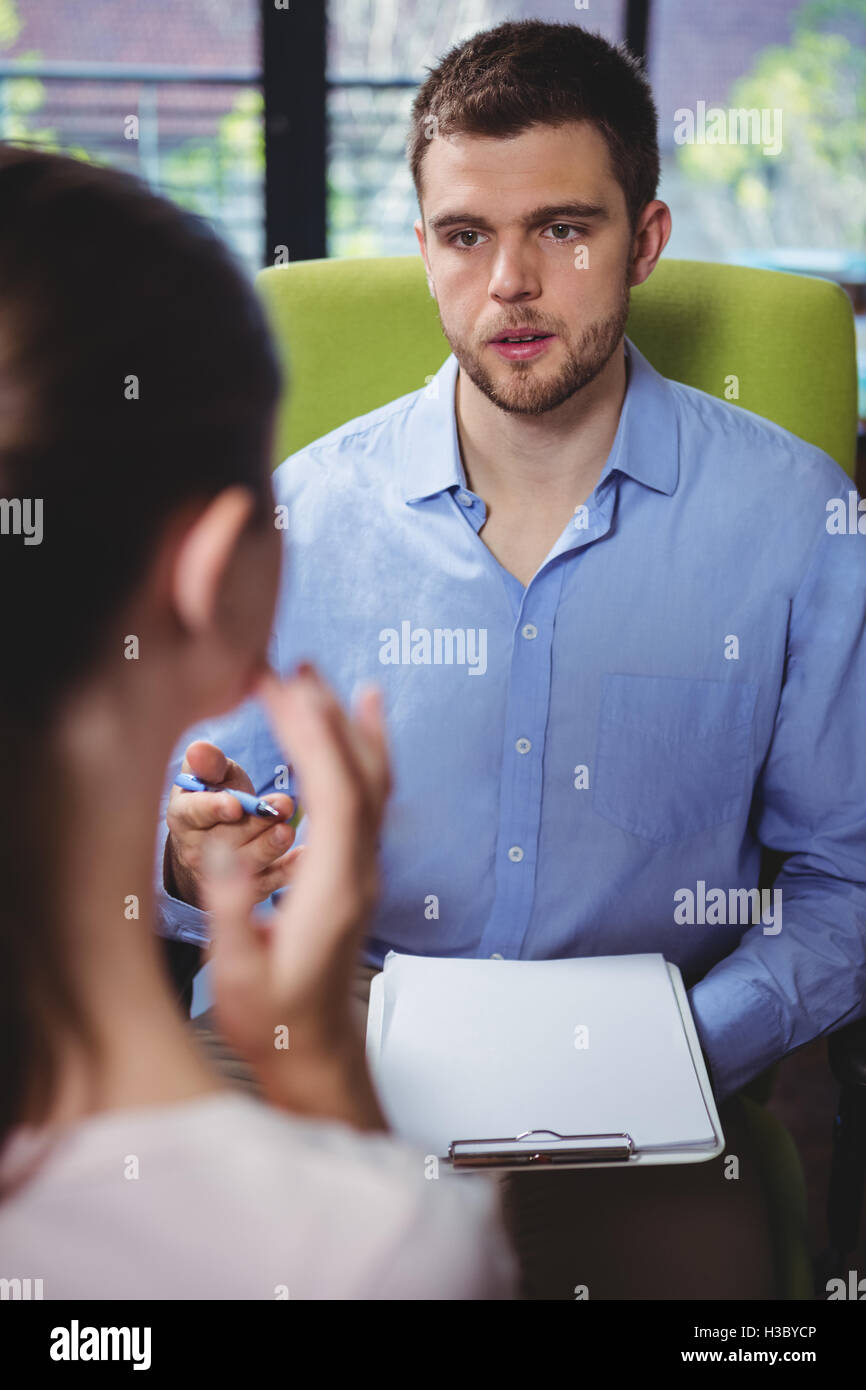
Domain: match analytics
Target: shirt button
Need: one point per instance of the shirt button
(497, 956)
(515, 854)
(464, 499)
(523, 745)
(529, 630)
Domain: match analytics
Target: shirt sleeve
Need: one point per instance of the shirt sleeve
(804, 974)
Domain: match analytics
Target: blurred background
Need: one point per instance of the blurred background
(230, 110)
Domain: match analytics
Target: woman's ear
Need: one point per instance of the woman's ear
(205, 554)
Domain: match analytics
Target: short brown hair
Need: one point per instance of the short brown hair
(525, 73)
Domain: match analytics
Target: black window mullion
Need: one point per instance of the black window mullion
(293, 74)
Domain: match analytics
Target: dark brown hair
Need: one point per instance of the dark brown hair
(525, 73)
(100, 281)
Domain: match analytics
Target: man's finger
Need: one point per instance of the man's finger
(201, 810)
(210, 764)
(263, 849)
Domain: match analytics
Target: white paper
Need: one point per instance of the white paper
(481, 1049)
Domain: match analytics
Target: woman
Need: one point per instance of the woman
(137, 393)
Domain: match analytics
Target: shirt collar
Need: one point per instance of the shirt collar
(646, 444)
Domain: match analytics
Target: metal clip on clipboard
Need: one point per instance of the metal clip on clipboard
(522, 1152)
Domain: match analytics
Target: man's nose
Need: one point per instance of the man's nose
(515, 276)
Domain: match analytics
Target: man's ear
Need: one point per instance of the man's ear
(419, 232)
(650, 239)
(205, 553)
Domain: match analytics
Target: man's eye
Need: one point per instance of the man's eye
(561, 231)
(456, 239)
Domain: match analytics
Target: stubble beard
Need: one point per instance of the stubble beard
(526, 391)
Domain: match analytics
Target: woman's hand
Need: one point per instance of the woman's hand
(282, 986)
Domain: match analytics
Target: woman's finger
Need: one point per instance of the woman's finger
(281, 873)
(228, 893)
(372, 739)
(313, 729)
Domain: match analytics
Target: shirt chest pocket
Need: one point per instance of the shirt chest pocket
(672, 753)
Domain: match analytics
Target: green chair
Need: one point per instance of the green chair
(355, 334)
(358, 333)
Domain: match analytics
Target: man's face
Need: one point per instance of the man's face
(503, 224)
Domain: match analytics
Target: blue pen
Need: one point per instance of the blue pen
(253, 805)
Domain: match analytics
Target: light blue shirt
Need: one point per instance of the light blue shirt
(592, 764)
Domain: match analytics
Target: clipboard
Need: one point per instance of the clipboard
(537, 1148)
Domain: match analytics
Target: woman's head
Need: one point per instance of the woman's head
(138, 383)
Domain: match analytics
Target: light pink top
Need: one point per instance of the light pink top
(235, 1199)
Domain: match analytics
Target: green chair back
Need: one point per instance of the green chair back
(355, 334)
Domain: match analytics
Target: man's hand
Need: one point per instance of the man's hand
(282, 987)
(264, 846)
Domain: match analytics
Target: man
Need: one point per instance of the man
(620, 651)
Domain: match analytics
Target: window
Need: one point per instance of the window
(170, 92)
(378, 52)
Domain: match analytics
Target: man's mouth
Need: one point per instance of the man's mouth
(519, 337)
(516, 347)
